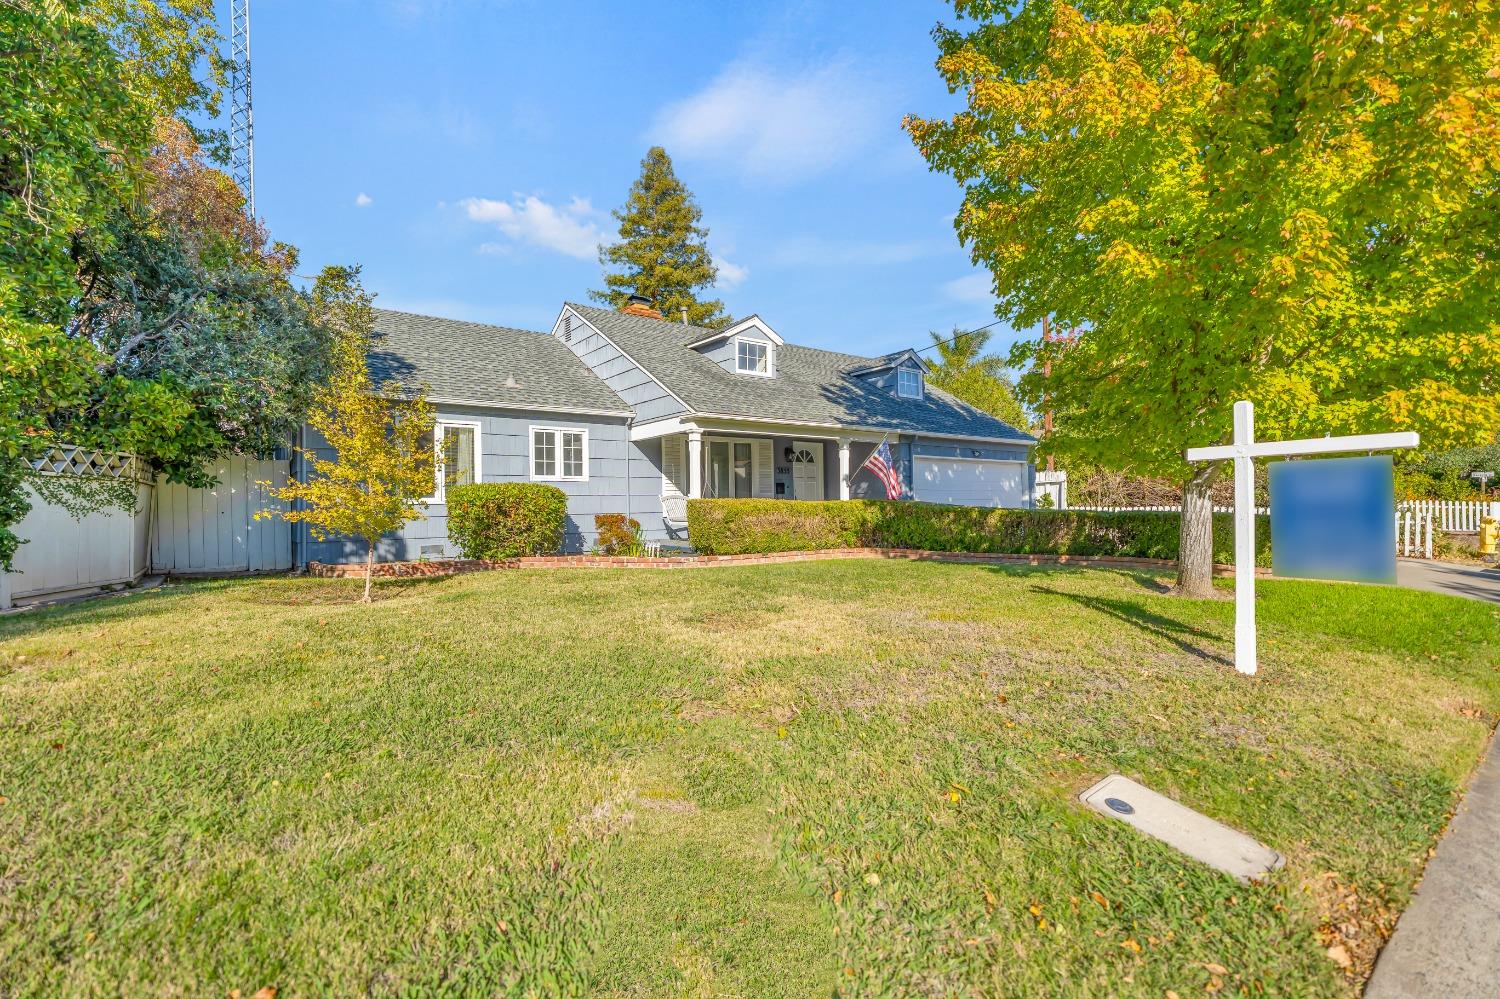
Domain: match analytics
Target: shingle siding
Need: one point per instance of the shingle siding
(647, 397)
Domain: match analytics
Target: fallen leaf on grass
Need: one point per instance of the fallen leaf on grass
(269, 992)
(1339, 955)
(1131, 945)
(1215, 969)
(1097, 897)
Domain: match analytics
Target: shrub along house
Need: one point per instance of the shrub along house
(628, 412)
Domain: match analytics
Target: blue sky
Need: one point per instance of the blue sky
(468, 154)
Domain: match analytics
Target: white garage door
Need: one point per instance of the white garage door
(970, 483)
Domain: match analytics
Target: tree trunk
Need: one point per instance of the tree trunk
(1195, 549)
(369, 567)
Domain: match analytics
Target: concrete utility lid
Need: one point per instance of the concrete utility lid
(1196, 835)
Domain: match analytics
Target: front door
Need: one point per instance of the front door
(807, 470)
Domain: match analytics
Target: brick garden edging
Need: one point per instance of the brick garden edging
(450, 567)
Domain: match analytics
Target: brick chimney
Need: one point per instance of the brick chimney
(640, 305)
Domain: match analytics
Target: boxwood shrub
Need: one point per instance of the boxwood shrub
(498, 520)
(737, 527)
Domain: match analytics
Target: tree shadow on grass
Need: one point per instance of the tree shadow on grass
(1157, 625)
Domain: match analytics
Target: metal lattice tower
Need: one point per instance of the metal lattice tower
(241, 120)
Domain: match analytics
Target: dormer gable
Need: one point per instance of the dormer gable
(747, 347)
(903, 374)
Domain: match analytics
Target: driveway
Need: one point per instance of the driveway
(1475, 581)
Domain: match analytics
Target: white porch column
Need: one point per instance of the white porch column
(695, 464)
(843, 468)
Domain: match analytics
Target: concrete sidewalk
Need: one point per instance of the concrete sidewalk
(1447, 943)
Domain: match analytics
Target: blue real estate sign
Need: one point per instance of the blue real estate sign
(1334, 518)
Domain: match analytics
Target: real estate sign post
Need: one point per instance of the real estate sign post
(1244, 451)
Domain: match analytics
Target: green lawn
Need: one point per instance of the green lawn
(758, 781)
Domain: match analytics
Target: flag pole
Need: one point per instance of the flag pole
(873, 451)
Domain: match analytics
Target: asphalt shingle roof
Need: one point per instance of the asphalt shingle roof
(810, 385)
(485, 365)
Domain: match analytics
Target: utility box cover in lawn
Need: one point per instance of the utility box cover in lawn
(1194, 833)
(1334, 518)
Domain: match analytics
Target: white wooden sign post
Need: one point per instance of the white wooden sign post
(1244, 451)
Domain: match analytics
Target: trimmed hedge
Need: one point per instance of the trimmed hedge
(739, 527)
(499, 520)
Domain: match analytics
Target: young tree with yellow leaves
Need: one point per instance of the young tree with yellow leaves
(384, 460)
(1296, 203)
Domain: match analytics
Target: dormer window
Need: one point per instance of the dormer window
(752, 357)
(909, 383)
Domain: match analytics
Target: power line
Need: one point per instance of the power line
(954, 337)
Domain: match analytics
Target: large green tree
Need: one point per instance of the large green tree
(139, 309)
(963, 368)
(1296, 203)
(662, 253)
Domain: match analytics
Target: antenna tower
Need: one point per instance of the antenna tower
(241, 121)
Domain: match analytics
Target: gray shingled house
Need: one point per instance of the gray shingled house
(628, 412)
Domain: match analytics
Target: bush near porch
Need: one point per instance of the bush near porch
(500, 520)
(746, 526)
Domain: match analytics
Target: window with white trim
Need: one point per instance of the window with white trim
(752, 357)
(559, 454)
(457, 445)
(909, 383)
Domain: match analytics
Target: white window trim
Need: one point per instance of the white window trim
(770, 357)
(731, 441)
(556, 433)
(921, 387)
(440, 489)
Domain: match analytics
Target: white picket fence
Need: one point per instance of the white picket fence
(1452, 516)
(1414, 533)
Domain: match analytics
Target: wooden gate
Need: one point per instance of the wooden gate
(214, 530)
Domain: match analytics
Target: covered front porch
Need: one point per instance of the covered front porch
(727, 463)
(752, 460)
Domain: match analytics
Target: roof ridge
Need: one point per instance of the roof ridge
(461, 322)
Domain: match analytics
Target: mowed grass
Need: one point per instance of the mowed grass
(798, 780)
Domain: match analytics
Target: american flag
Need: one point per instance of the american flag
(884, 467)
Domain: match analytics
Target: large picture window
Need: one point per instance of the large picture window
(559, 454)
(457, 444)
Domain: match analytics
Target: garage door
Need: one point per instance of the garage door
(970, 483)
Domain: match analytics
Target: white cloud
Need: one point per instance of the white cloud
(730, 275)
(775, 125)
(570, 229)
(363, 200)
(973, 288)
